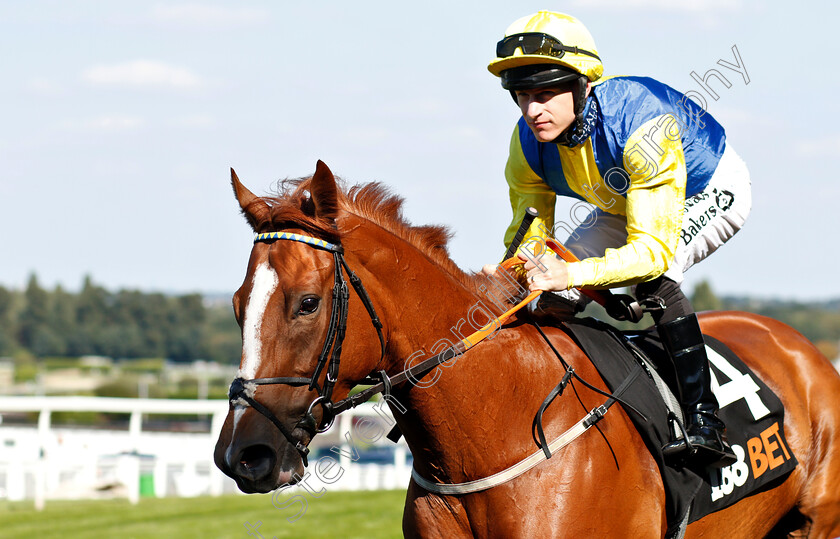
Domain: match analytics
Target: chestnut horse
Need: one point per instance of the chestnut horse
(475, 418)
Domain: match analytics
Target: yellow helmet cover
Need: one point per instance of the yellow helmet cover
(569, 44)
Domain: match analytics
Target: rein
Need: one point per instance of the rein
(418, 370)
(242, 391)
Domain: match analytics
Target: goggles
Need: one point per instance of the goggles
(536, 43)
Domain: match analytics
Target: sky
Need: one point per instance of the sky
(121, 121)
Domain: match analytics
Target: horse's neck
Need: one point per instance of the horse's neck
(422, 303)
(456, 407)
(419, 299)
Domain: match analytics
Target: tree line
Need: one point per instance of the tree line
(129, 324)
(819, 321)
(126, 324)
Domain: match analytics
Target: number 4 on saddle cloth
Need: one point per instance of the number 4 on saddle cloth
(753, 415)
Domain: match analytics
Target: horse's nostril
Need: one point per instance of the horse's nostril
(256, 461)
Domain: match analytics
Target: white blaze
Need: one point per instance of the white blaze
(265, 282)
(238, 412)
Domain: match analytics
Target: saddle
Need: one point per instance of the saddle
(753, 414)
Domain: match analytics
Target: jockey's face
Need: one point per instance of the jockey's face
(548, 111)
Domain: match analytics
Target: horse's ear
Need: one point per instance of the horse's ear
(324, 193)
(254, 208)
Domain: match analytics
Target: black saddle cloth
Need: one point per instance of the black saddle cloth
(753, 414)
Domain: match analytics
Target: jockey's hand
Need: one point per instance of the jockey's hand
(549, 273)
(489, 269)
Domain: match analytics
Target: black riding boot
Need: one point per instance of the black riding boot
(706, 444)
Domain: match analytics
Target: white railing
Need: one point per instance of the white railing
(45, 461)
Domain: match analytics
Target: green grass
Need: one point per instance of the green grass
(367, 515)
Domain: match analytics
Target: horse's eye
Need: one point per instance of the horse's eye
(309, 305)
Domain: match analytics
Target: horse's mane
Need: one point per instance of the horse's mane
(292, 207)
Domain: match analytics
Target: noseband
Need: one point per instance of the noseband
(242, 391)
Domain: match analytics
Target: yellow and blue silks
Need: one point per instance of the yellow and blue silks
(650, 148)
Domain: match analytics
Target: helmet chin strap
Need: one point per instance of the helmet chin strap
(579, 94)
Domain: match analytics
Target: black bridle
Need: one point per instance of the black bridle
(242, 390)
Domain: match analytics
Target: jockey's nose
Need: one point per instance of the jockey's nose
(534, 108)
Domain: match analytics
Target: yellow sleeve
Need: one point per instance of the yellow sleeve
(655, 204)
(526, 189)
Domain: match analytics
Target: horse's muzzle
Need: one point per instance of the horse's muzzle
(260, 463)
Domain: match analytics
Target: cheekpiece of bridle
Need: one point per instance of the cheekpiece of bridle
(242, 391)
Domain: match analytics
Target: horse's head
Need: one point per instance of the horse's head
(292, 308)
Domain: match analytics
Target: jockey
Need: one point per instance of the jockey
(666, 187)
